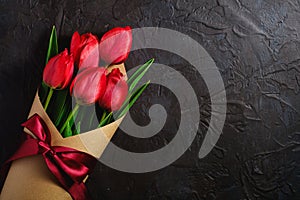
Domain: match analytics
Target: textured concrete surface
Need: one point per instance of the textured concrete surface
(255, 45)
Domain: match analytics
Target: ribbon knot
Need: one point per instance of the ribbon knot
(44, 147)
(68, 165)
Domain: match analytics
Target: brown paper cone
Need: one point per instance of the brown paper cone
(30, 179)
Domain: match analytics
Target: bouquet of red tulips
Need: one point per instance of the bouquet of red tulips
(83, 98)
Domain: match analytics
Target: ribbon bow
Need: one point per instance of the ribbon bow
(68, 165)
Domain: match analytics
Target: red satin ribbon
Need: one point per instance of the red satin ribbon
(68, 165)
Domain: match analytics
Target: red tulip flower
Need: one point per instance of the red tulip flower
(116, 91)
(85, 49)
(115, 45)
(89, 85)
(59, 71)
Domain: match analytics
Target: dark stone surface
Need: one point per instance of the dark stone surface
(255, 45)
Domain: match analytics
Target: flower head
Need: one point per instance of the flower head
(59, 70)
(115, 45)
(85, 49)
(89, 85)
(116, 91)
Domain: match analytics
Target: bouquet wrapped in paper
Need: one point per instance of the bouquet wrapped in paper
(83, 98)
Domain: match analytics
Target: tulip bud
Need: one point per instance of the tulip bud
(59, 70)
(116, 91)
(85, 50)
(89, 85)
(115, 45)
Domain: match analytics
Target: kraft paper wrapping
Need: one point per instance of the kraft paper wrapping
(30, 179)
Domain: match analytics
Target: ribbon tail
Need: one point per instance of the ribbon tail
(28, 148)
(56, 170)
(77, 190)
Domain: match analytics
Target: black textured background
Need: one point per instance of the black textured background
(255, 45)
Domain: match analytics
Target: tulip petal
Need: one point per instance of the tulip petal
(75, 47)
(89, 85)
(116, 91)
(89, 56)
(85, 50)
(59, 71)
(115, 45)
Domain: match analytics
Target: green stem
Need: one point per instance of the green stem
(104, 121)
(69, 117)
(82, 112)
(48, 98)
(103, 115)
(91, 120)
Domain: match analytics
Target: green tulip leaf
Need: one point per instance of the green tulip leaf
(53, 45)
(70, 119)
(138, 75)
(68, 131)
(61, 115)
(64, 113)
(52, 51)
(133, 81)
(59, 99)
(43, 91)
(106, 120)
(133, 98)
